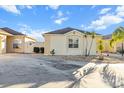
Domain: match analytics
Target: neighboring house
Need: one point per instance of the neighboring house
(106, 42)
(12, 41)
(69, 41)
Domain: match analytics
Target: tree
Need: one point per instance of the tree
(93, 37)
(117, 37)
(101, 48)
(112, 43)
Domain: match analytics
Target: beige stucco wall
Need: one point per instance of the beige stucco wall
(10, 40)
(59, 42)
(2, 43)
(38, 44)
(29, 45)
(25, 47)
(6, 43)
(47, 44)
(80, 49)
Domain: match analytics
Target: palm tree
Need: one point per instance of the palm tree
(86, 42)
(112, 42)
(117, 36)
(93, 37)
(101, 48)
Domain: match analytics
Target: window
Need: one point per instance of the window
(17, 43)
(73, 43)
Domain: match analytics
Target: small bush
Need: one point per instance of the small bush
(36, 49)
(52, 52)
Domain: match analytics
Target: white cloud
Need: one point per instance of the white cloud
(93, 6)
(61, 20)
(25, 6)
(54, 7)
(105, 10)
(121, 14)
(59, 17)
(83, 27)
(120, 11)
(104, 21)
(13, 8)
(60, 14)
(10, 8)
(29, 6)
(35, 33)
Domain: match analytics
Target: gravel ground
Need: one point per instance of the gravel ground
(36, 70)
(40, 71)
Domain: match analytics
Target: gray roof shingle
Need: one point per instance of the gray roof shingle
(11, 31)
(66, 30)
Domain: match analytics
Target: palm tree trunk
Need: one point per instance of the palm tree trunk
(90, 47)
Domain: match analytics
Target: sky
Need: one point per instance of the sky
(38, 19)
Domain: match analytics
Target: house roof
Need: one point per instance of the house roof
(66, 30)
(31, 38)
(107, 36)
(11, 31)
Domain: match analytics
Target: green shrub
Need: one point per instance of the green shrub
(52, 52)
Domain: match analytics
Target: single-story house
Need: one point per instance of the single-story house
(69, 41)
(12, 41)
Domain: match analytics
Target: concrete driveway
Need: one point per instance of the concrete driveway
(36, 70)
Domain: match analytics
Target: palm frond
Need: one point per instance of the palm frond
(112, 43)
(117, 36)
